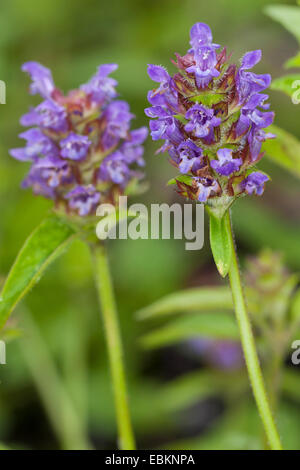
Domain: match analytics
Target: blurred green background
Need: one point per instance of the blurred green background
(73, 38)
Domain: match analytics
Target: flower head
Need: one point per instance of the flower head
(81, 146)
(211, 115)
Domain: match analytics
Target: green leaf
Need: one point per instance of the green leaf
(39, 250)
(220, 242)
(213, 325)
(288, 16)
(284, 150)
(295, 308)
(182, 179)
(288, 84)
(199, 299)
(293, 61)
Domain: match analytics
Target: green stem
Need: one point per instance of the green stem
(249, 348)
(114, 344)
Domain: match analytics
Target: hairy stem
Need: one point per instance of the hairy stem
(249, 348)
(114, 345)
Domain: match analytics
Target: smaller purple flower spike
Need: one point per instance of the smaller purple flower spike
(205, 186)
(81, 146)
(41, 77)
(118, 119)
(37, 145)
(190, 156)
(83, 199)
(75, 146)
(254, 183)
(249, 83)
(166, 92)
(226, 165)
(201, 121)
(101, 88)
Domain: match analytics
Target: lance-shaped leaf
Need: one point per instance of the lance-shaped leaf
(214, 325)
(39, 250)
(284, 150)
(288, 16)
(220, 242)
(288, 84)
(197, 299)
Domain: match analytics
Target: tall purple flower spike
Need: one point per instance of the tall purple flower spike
(212, 117)
(81, 147)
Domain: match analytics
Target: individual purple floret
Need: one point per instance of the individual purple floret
(254, 183)
(83, 199)
(47, 115)
(81, 147)
(201, 121)
(249, 82)
(190, 156)
(101, 88)
(205, 187)
(42, 81)
(211, 116)
(114, 168)
(226, 165)
(166, 92)
(118, 117)
(37, 145)
(75, 146)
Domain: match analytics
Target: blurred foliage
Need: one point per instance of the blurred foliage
(175, 394)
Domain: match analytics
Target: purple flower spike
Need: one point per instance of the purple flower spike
(41, 77)
(214, 134)
(75, 146)
(190, 156)
(101, 88)
(37, 145)
(83, 199)
(79, 141)
(226, 165)
(254, 183)
(202, 120)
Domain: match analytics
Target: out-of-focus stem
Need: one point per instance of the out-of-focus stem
(55, 398)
